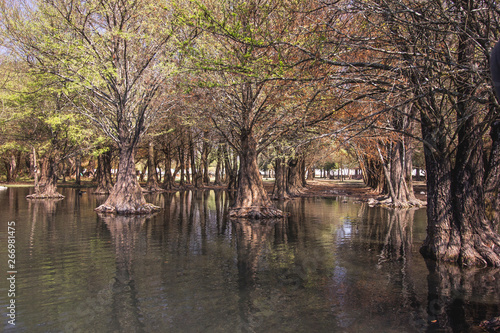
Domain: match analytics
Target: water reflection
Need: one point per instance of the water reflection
(330, 266)
(458, 299)
(125, 231)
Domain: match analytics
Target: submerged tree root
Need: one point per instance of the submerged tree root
(54, 195)
(256, 212)
(387, 202)
(152, 189)
(128, 209)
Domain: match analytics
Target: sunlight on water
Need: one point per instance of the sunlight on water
(332, 266)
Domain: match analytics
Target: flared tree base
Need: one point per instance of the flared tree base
(102, 190)
(474, 249)
(128, 209)
(256, 213)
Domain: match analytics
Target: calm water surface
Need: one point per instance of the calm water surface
(332, 266)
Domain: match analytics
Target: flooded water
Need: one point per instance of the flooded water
(332, 266)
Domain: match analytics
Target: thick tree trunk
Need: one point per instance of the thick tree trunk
(251, 199)
(310, 173)
(373, 173)
(152, 183)
(126, 196)
(302, 171)
(293, 179)
(439, 196)
(492, 177)
(397, 169)
(47, 186)
(11, 166)
(458, 230)
(231, 170)
(279, 192)
(103, 174)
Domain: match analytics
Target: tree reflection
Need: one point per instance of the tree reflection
(460, 298)
(125, 231)
(253, 238)
(45, 211)
(398, 237)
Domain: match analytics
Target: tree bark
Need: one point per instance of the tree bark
(302, 171)
(126, 196)
(78, 167)
(169, 179)
(492, 177)
(103, 174)
(458, 229)
(11, 166)
(205, 162)
(279, 192)
(310, 173)
(218, 168)
(251, 199)
(293, 178)
(196, 176)
(231, 170)
(152, 183)
(47, 186)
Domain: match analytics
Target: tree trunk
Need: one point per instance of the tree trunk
(152, 183)
(103, 174)
(47, 186)
(310, 173)
(218, 168)
(195, 172)
(169, 179)
(78, 167)
(279, 192)
(251, 199)
(205, 162)
(126, 196)
(372, 172)
(492, 177)
(302, 171)
(182, 166)
(231, 170)
(293, 179)
(397, 169)
(458, 230)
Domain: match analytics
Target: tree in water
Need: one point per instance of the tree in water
(434, 58)
(454, 118)
(103, 173)
(123, 55)
(152, 183)
(250, 91)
